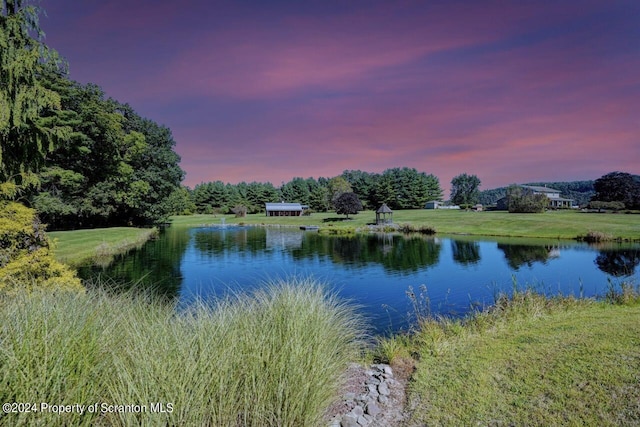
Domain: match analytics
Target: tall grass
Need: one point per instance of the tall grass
(274, 357)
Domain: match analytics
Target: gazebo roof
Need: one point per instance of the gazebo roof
(384, 209)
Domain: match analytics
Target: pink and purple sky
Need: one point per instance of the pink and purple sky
(512, 91)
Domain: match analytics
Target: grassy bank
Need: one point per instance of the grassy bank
(530, 361)
(98, 245)
(553, 224)
(271, 358)
(101, 245)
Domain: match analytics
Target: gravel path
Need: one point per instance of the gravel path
(374, 396)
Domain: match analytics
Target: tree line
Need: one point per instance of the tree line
(399, 188)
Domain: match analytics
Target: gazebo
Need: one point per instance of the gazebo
(384, 215)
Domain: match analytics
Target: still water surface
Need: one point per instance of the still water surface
(374, 271)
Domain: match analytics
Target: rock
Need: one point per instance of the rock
(349, 396)
(373, 390)
(373, 409)
(363, 421)
(383, 389)
(372, 380)
(383, 399)
(388, 370)
(349, 420)
(357, 411)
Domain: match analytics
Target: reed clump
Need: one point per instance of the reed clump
(595, 237)
(274, 357)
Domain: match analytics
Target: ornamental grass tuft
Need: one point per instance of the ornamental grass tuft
(273, 357)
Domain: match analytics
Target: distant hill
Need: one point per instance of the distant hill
(579, 191)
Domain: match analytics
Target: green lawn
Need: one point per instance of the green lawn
(552, 224)
(97, 245)
(542, 364)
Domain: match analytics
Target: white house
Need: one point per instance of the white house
(555, 201)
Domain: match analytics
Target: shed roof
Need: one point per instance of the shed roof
(283, 206)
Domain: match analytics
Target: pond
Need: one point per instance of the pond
(448, 275)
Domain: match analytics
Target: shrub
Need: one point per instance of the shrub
(25, 258)
(240, 211)
(615, 206)
(595, 237)
(423, 229)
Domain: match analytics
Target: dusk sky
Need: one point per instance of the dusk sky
(512, 91)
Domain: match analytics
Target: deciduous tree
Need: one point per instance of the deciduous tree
(618, 187)
(464, 189)
(348, 203)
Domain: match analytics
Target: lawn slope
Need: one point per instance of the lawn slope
(571, 364)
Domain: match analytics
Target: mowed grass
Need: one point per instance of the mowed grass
(552, 224)
(97, 245)
(272, 358)
(534, 361)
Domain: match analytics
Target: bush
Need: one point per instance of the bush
(595, 237)
(423, 229)
(25, 258)
(597, 204)
(524, 201)
(240, 211)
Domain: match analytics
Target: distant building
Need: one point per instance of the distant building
(555, 201)
(283, 209)
(432, 204)
(435, 204)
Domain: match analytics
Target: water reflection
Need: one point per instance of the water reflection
(156, 266)
(618, 263)
(465, 252)
(212, 242)
(520, 255)
(373, 270)
(392, 251)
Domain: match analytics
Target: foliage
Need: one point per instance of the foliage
(423, 229)
(26, 262)
(400, 188)
(275, 357)
(337, 187)
(29, 126)
(619, 187)
(363, 184)
(348, 203)
(180, 202)
(116, 168)
(580, 191)
(297, 190)
(240, 211)
(597, 204)
(524, 201)
(595, 237)
(406, 188)
(464, 189)
(216, 196)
